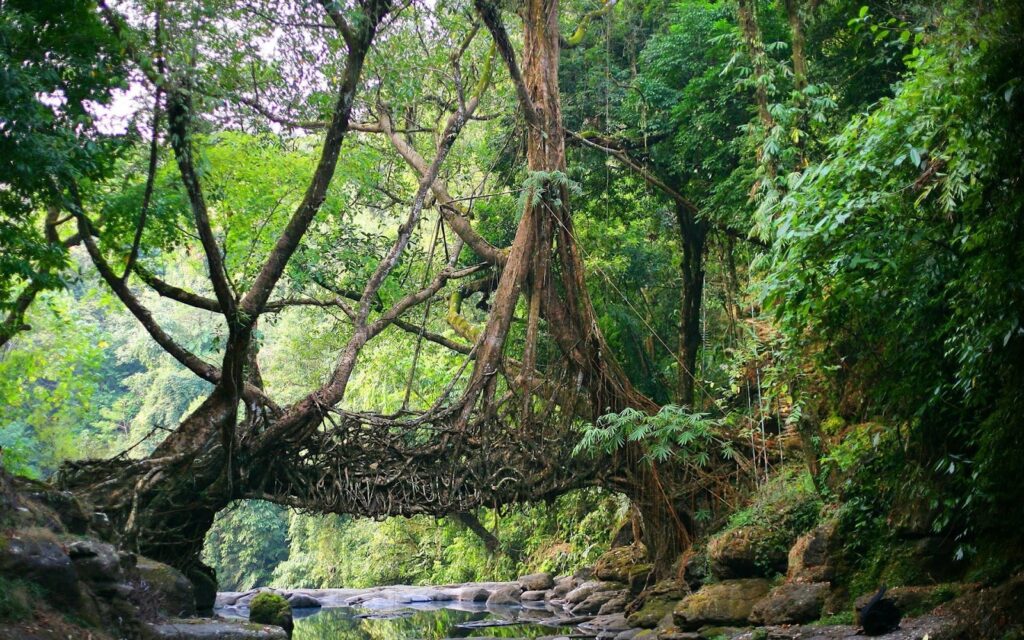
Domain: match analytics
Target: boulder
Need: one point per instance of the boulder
(728, 602)
(471, 594)
(507, 595)
(745, 552)
(299, 600)
(36, 556)
(652, 612)
(615, 605)
(612, 622)
(96, 562)
(790, 604)
(271, 608)
(165, 587)
(584, 591)
(810, 558)
(536, 582)
(639, 576)
(593, 603)
(616, 564)
(563, 585)
(532, 596)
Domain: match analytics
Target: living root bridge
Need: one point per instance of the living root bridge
(372, 465)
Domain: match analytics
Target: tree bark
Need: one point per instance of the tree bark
(693, 236)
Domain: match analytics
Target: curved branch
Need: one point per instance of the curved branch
(581, 30)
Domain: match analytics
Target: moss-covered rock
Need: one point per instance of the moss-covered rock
(791, 603)
(728, 602)
(746, 552)
(271, 608)
(811, 556)
(652, 612)
(615, 565)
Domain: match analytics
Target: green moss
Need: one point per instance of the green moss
(269, 608)
(16, 597)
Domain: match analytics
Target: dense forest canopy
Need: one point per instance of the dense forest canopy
(432, 259)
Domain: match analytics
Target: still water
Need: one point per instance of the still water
(426, 622)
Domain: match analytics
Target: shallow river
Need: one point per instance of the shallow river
(430, 621)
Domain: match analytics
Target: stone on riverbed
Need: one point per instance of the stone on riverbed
(536, 582)
(508, 595)
(471, 594)
(653, 611)
(595, 601)
(300, 600)
(585, 590)
(532, 596)
(615, 605)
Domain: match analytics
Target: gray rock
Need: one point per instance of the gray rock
(613, 622)
(594, 602)
(563, 585)
(96, 562)
(299, 600)
(584, 591)
(471, 594)
(791, 603)
(615, 605)
(536, 582)
(39, 558)
(532, 596)
(505, 596)
(653, 611)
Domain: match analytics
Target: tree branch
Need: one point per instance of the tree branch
(492, 18)
(288, 242)
(652, 179)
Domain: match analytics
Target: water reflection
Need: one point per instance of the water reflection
(425, 624)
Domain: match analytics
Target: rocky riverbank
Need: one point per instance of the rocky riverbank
(63, 575)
